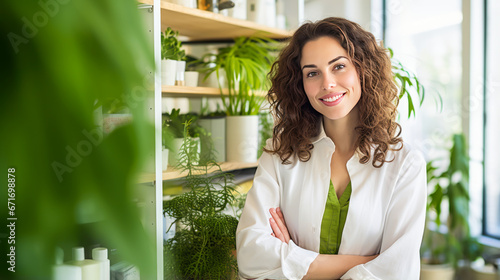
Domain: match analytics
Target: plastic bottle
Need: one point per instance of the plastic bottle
(101, 255)
(90, 268)
(62, 271)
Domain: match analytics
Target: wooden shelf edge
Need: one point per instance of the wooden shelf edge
(173, 173)
(184, 91)
(174, 13)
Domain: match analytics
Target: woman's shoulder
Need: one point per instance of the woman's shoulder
(405, 153)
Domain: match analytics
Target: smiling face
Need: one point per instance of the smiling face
(330, 79)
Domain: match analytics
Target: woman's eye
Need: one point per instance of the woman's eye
(311, 74)
(339, 66)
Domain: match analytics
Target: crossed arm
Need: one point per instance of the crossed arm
(324, 266)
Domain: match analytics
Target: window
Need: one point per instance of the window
(426, 37)
(491, 208)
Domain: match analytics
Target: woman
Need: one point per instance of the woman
(337, 194)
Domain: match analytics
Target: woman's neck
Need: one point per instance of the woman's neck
(342, 131)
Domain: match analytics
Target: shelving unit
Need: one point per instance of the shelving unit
(194, 25)
(199, 25)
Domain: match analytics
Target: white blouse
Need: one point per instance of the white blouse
(386, 215)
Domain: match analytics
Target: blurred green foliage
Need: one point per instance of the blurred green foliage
(450, 194)
(408, 84)
(60, 59)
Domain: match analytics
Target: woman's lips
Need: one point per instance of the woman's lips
(332, 99)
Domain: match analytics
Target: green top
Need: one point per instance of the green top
(333, 221)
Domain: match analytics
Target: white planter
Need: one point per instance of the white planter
(164, 159)
(168, 68)
(179, 73)
(191, 78)
(239, 10)
(262, 12)
(437, 272)
(242, 138)
(217, 128)
(173, 156)
(211, 80)
(483, 271)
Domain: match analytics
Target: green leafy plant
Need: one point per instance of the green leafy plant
(175, 123)
(245, 64)
(193, 63)
(203, 246)
(171, 47)
(450, 188)
(407, 82)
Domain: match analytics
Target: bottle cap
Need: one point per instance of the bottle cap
(78, 253)
(100, 254)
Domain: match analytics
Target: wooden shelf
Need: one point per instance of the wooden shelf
(199, 25)
(183, 91)
(173, 173)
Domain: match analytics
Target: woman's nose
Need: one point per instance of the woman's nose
(328, 82)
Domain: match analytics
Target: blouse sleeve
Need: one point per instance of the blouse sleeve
(260, 255)
(404, 226)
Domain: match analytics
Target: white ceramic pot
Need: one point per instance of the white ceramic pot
(191, 78)
(168, 68)
(164, 159)
(239, 10)
(173, 157)
(179, 73)
(217, 128)
(262, 12)
(242, 138)
(211, 80)
(436, 272)
(485, 272)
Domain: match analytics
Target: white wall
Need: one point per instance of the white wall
(359, 11)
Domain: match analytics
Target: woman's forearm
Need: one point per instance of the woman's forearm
(334, 266)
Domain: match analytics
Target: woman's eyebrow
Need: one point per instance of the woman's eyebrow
(329, 62)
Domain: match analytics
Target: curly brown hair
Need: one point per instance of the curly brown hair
(296, 121)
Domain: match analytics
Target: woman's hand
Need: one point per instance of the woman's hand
(278, 225)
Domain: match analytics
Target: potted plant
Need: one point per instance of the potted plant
(173, 58)
(447, 242)
(174, 122)
(192, 74)
(214, 124)
(245, 65)
(204, 243)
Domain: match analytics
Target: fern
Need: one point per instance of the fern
(203, 247)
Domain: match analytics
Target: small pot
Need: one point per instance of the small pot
(191, 78)
(242, 138)
(168, 68)
(437, 272)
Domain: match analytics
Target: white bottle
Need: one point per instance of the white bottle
(101, 255)
(90, 268)
(62, 271)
